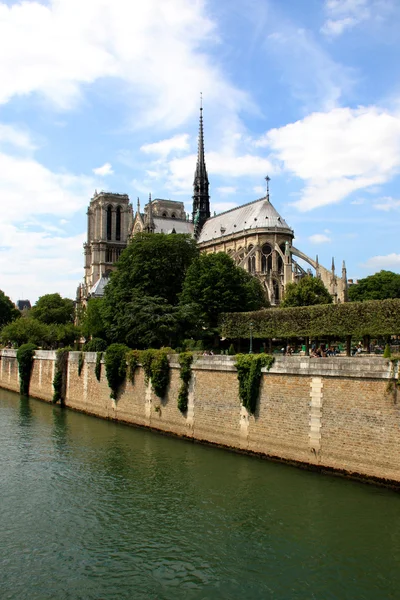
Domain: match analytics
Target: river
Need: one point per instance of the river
(91, 509)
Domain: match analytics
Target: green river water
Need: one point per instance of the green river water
(90, 509)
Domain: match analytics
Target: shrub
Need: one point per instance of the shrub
(387, 353)
(185, 361)
(95, 345)
(232, 350)
(249, 375)
(25, 355)
(115, 361)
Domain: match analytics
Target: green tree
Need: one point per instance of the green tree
(25, 331)
(8, 312)
(380, 286)
(140, 306)
(28, 330)
(51, 308)
(92, 321)
(153, 265)
(215, 284)
(308, 291)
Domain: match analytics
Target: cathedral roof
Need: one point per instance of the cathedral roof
(259, 214)
(165, 225)
(97, 291)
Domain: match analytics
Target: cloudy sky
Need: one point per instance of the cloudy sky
(104, 94)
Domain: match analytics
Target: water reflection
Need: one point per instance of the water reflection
(25, 412)
(91, 509)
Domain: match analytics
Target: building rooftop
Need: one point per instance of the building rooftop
(259, 214)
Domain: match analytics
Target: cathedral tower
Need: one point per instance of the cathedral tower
(201, 197)
(109, 224)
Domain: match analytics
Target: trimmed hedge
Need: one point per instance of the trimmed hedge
(375, 318)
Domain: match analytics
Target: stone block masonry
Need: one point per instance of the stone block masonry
(333, 413)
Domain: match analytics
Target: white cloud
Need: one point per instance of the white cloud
(310, 72)
(343, 15)
(338, 152)
(165, 147)
(155, 47)
(104, 170)
(387, 203)
(259, 189)
(227, 189)
(34, 202)
(319, 238)
(390, 261)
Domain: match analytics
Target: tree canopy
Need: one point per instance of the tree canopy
(51, 308)
(140, 306)
(307, 292)
(8, 312)
(153, 265)
(380, 286)
(215, 284)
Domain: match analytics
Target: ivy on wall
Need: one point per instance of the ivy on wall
(374, 317)
(81, 362)
(25, 356)
(185, 360)
(249, 375)
(60, 375)
(156, 369)
(132, 358)
(115, 362)
(97, 367)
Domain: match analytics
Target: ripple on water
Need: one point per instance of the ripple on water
(93, 510)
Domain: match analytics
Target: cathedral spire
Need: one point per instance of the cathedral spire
(138, 206)
(201, 197)
(149, 227)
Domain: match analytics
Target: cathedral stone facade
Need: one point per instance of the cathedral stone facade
(254, 234)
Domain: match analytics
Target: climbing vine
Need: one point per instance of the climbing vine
(97, 367)
(132, 358)
(156, 369)
(249, 375)
(81, 362)
(115, 362)
(185, 361)
(60, 375)
(25, 355)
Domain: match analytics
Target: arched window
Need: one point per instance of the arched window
(109, 255)
(109, 222)
(251, 262)
(173, 216)
(276, 291)
(266, 258)
(118, 224)
(164, 214)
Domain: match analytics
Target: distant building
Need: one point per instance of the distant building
(254, 234)
(23, 305)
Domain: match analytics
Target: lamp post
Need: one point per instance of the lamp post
(251, 339)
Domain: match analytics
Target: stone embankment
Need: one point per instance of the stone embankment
(332, 413)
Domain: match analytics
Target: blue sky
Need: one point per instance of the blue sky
(104, 94)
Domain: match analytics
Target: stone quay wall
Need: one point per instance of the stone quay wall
(332, 413)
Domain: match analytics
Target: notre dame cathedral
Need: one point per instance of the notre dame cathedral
(254, 234)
